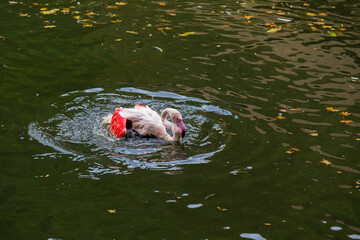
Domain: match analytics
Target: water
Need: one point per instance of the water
(272, 144)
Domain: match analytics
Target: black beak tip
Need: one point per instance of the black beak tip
(183, 134)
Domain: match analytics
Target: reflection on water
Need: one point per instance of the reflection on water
(77, 129)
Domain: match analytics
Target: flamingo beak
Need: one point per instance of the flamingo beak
(182, 128)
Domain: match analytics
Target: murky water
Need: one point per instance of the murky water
(269, 92)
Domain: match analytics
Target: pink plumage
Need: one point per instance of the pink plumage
(118, 124)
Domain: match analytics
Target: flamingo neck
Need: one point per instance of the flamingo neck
(176, 134)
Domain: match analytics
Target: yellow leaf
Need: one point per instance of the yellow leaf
(280, 13)
(52, 11)
(161, 4)
(345, 113)
(88, 25)
(186, 34)
(111, 7)
(116, 21)
(132, 32)
(346, 121)
(323, 14)
(270, 24)
(314, 134)
(289, 152)
(234, 134)
(274, 30)
(314, 29)
(269, 12)
(85, 20)
(118, 40)
(326, 162)
(281, 117)
(221, 209)
(342, 29)
(319, 23)
(77, 17)
(267, 224)
(295, 109)
(357, 139)
(49, 26)
(24, 15)
(311, 14)
(65, 10)
(327, 26)
(90, 14)
(35, 4)
(220, 129)
(172, 14)
(248, 17)
(306, 5)
(75, 12)
(111, 211)
(295, 149)
(120, 3)
(331, 109)
(43, 9)
(47, 175)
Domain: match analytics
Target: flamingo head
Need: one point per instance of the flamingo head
(175, 115)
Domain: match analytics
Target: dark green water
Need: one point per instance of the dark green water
(242, 172)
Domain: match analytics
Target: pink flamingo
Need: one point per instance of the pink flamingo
(147, 122)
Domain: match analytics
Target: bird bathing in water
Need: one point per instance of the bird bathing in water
(146, 122)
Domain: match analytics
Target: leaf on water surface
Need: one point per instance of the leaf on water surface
(158, 48)
(267, 224)
(326, 162)
(65, 10)
(111, 211)
(346, 121)
(323, 14)
(274, 30)
(36, 4)
(132, 32)
(118, 40)
(314, 29)
(341, 29)
(172, 14)
(234, 134)
(357, 139)
(120, 3)
(52, 11)
(221, 209)
(297, 207)
(2, 37)
(289, 152)
(77, 17)
(314, 134)
(345, 113)
(161, 3)
(47, 175)
(248, 16)
(186, 34)
(311, 14)
(306, 5)
(49, 26)
(269, 12)
(331, 109)
(209, 196)
(270, 24)
(332, 34)
(24, 15)
(116, 21)
(111, 7)
(88, 25)
(75, 12)
(295, 149)
(43, 9)
(90, 14)
(280, 117)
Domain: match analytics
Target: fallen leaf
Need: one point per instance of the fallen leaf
(210, 195)
(357, 139)
(248, 17)
(341, 29)
(221, 209)
(35, 4)
(332, 34)
(111, 7)
(161, 3)
(2, 37)
(90, 14)
(43, 9)
(339, 172)
(267, 224)
(47, 175)
(274, 30)
(77, 17)
(160, 49)
(49, 26)
(24, 15)
(327, 27)
(111, 211)
(281, 117)
(269, 12)
(280, 13)
(186, 34)
(323, 14)
(314, 134)
(234, 134)
(311, 14)
(118, 40)
(345, 113)
(295, 109)
(314, 29)
(132, 32)
(270, 24)
(172, 14)
(116, 21)
(331, 109)
(289, 152)
(52, 11)
(326, 162)
(306, 5)
(88, 25)
(120, 3)
(318, 23)
(295, 149)
(65, 10)
(346, 121)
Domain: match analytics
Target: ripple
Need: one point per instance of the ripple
(77, 129)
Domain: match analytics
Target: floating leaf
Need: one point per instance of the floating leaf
(281, 117)
(221, 209)
(65, 10)
(357, 139)
(270, 24)
(248, 16)
(346, 121)
(88, 25)
(111, 7)
(269, 12)
(186, 34)
(116, 21)
(280, 13)
(274, 30)
(47, 175)
(326, 162)
(52, 11)
(120, 3)
(158, 48)
(323, 14)
(210, 195)
(77, 17)
(314, 134)
(2, 37)
(332, 34)
(289, 152)
(306, 5)
(314, 29)
(111, 211)
(43, 9)
(267, 224)
(24, 15)
(161, 3)
(118, 40)
(345, 113)
(90, 14)
(36, 4)
(341, 29)
(172, 14)
(234, 134)
(132, 32)
(311, 14)
(318, 23)
(295, 149)
(49, 26)
(331, 109)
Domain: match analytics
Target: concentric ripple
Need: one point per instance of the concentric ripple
(77, 130)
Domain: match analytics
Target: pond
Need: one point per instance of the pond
(269, 92)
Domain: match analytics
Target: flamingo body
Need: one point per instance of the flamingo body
(145, 121)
